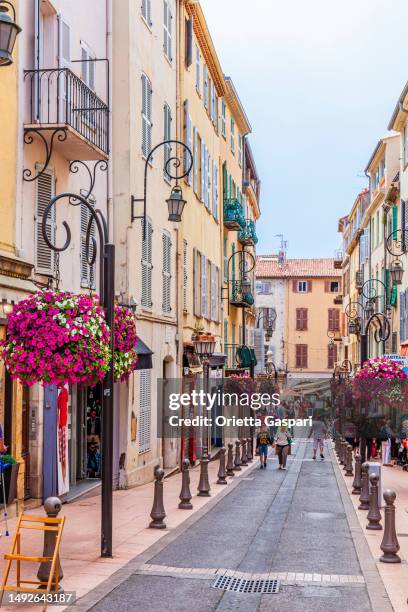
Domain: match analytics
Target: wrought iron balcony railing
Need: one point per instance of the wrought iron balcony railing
(58, 97)
(239, 356)
(248, 235)
(239, 296)
(233, 214)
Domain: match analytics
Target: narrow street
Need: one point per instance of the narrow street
(292, 525)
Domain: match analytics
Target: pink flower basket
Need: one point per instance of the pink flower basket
(125, 338)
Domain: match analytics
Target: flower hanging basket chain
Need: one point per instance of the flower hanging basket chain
(57, 338)
(125, 338)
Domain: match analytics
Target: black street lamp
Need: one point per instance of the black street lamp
(175, 202)
(8, 33)
(268, 315)
(396, 272)
(205, 348)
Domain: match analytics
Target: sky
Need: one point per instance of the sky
(319, 80)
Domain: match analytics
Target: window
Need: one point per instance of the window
(87, 271)
(87, 66)
(331, 356)
(301, 286)
(215, 190)
(145, 412)
(224, 119)
(232, 137)
(240, 150)
(301, 319)
(212, 100)
(195, 161)
(167, 136)
(198, 71)
(166, 272)
(146, 116)
(334, 320)
(301, 356)
(185, 275)
(147, 265)
(45, 191)
(205, 86)
(264, 287)
(332, 286)
(189, 42)
(204, 286)
(147, 11)
(167, 18)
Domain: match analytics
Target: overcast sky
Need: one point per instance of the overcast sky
(319, 80)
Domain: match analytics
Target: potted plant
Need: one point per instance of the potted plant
(198, 332)
(125, 338)
(9, 468)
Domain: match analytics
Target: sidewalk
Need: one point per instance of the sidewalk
(82, 565)
(394, 575)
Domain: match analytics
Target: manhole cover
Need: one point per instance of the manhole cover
(316, 591)
(244, 585)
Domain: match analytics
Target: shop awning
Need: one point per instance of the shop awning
(144, 356)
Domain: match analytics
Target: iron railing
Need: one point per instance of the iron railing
(239, 356)
(58, 96)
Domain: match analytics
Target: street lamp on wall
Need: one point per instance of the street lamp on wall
(8, 32)
(175, 203)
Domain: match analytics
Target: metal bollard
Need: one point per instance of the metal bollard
(365, 492)
(157, 514)
(237, 460)
(374, 514)
(389, 544)
(244, 460)
(250, 450)
(222, 475)
(52, 507)
(357, 476)
(345, 451)
(341, 456)
(185, 495)
(230, 460)
(204, 483)
(349, 460)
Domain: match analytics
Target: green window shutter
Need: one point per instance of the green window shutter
(233, 261)
(394, 219)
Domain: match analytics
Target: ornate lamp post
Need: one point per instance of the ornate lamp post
(205, 348)
(268, 315)
(270, 365)
(8, 32)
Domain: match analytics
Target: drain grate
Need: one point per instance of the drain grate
(245, 585)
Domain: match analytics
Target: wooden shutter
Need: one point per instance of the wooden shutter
(301, 355)
(309, 286)
(215, 190)
(213, 292)
(198, 69)
(225, 259)
(167, 29)
(185, 275)
(205, 85)
(166, 272)
(146, 116)
(195, 161)
(209, 174)
(331, 356)
(301, 319)
(145, 412)
(402, 308)
(295, 286)
(189, 42)
(167, 136)
(45, 191)
(218, 297)
(204, 287)
(394, 225)
(195, 283)
(327, 286)
(202, 170)
(334, 319)
(87, 272)
(147, 11)
(187, 139)
(147, 266)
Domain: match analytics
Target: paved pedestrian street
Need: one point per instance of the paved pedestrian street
(295, 526)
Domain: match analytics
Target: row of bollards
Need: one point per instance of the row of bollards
(366, 486)
(243, 455)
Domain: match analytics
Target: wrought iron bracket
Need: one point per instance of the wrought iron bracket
(74, 166)
(60, 133)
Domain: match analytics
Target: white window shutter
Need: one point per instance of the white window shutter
(166, 272)
(187, 140)
(45, 191)
(167, 136)
(213, 292)
(147, 11)
(218, 274)
(195, 283)
(87, 272)
(205, 85)
(203, 286)
(202, 170)
(167, 18)
(208, 181)
(145, 412)
(146, 298)
(195, 161)
(146, 116)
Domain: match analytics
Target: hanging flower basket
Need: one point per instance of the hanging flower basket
(381, 379)
(57, 338)
(125, 338)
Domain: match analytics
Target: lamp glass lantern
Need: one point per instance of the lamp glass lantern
(8, 34)
(175, 204)
(204, 348)
(352, 327)
(369, 308)
(245, 286)
(396, 272)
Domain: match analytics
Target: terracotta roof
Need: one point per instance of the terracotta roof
(295, 268)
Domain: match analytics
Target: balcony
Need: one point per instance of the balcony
(67, 114)
(233, 216)
(239, 356)
(247, 236)
(239, 296)
(338, 260)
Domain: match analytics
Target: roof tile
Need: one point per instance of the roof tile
(266, 267)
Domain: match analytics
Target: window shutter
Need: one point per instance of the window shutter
(209, 203)
(218, 289)
(167, 17)
(327, 286)
(402, 308)
(45, 191)
(213, 292)
(87, 272)
(145, 412)
(331, 356)
(331, 321)
(147, 11)
(189, 42)
(166, 303)
(294, 286)
(195, 161)
(195, 283)
(204, 288)
(205, 85)
(309, 286)
(394, 219)
(167, 136)
(185, 274)
(212, 100)
(233, 263)
(187, 139)
(202, 170)
(215, 190)
(146, 116)
(147, 266)
(198, 69)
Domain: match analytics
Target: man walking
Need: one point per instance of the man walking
(319, 433)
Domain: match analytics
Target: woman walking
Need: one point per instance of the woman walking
(282, 442)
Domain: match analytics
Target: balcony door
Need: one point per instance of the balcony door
(65, 110)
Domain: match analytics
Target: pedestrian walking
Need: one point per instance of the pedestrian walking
(385, 436)
(263, 440)
(319, 432)
(282, 446)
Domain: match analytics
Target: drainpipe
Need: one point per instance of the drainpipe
(108, 55)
